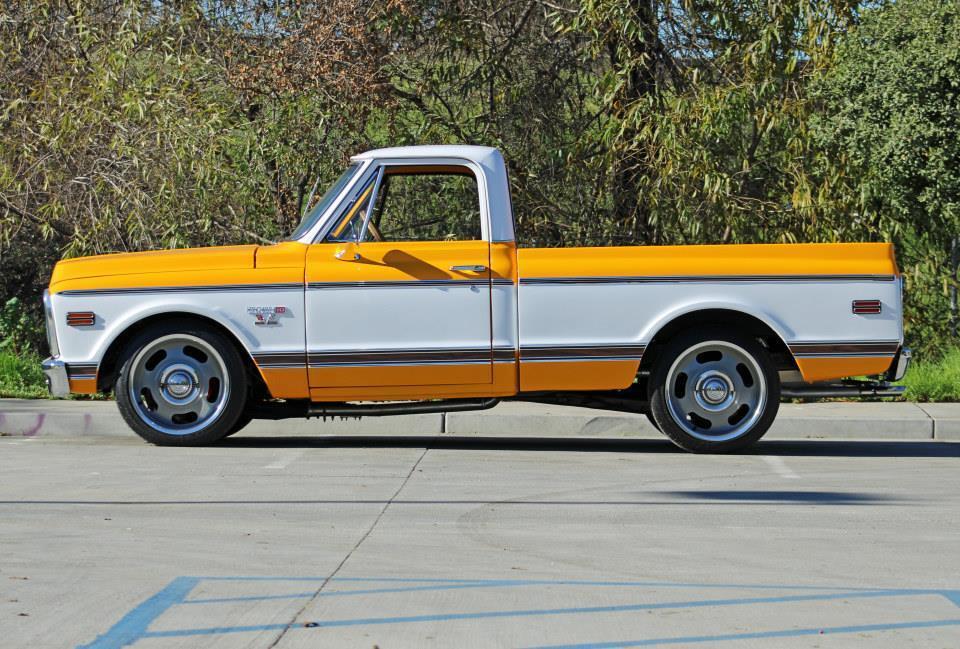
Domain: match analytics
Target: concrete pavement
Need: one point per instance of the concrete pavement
(280, 542)
(834, 420)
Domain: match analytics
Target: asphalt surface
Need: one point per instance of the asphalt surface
(374, 542)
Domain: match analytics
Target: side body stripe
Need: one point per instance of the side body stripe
(418, 283)
(581, 352)
(670, 279)
(81, 371)
(844, 348)
(213, 288)
(497, 281)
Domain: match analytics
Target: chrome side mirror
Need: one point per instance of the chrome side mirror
(348, 251)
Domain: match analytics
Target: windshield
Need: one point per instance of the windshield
(311, 217)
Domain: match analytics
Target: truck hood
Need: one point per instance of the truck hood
(165, 261)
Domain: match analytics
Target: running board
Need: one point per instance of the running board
(855, 389)
(305, 409)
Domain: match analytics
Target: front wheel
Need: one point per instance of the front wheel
(182, 384)
(714, 391)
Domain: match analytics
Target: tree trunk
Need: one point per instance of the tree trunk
(640, 55)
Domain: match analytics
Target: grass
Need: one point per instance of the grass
(21, 376)
(936, 380)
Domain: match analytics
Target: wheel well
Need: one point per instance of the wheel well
(745, 323)
(113, 358)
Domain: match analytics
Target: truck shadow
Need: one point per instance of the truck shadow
(845, 448)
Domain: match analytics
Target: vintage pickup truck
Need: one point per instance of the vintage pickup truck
(403, 290)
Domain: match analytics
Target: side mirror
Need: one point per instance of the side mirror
(348, 251)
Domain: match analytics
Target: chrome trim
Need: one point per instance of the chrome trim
(846, 348)
(566, 353)
(79, 371)
(326, 221)
(470, 268)
(415, 283)
(55, 371)
(212, 288)
(671, 279)
(378, 179)
(52, 341)
(390, 357)
(383, 357)
(900, 365)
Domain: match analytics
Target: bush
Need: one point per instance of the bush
(937, 380)
(21, 376)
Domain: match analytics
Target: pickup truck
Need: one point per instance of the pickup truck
(404, 290)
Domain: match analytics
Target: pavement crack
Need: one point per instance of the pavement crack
(933, 420)
(349, 554)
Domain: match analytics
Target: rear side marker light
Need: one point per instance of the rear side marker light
(81, 318)
(866, 307)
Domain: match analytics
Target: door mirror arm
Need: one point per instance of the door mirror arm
(370, 205)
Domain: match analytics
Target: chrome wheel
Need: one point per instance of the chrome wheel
(715, 391)
(178, 384)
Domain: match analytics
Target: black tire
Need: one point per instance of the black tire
(241, 423)
(694, 434)
(230, 403)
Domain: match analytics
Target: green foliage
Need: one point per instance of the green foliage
(17, 328)
(128, 125)
(889, 122)
(935, 380)
(21, 376)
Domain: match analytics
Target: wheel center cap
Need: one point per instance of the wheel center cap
(178, 384)
(714, 390)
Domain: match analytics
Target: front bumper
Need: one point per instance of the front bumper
(58, 384)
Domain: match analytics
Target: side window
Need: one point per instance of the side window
(348, 229)
(427, 204)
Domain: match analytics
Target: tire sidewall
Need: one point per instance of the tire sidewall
(224, 424)
(659, 408)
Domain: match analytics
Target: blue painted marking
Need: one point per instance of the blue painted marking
(134, 624)
(789, 633)
(618, 608)
(216, 630)
(363, 591)
(544, 582)
(953, 596)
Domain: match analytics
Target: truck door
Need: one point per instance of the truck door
(399, 292)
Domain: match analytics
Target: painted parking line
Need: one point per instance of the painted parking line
(135, 625)
(780, 467)
(759, 635)
(284, 461)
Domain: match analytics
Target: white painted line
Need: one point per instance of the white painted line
(283, 461)
(781, 468)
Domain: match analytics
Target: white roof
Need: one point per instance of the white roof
(477, 154)
(490, 162)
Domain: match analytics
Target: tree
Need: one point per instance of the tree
(891, 125)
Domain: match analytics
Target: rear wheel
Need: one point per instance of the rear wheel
(183, 384)
(714, 391)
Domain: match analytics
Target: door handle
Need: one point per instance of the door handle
(469, 267)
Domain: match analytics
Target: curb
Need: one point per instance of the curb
(842, 421)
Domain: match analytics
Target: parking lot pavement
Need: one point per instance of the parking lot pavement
(265, 542)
